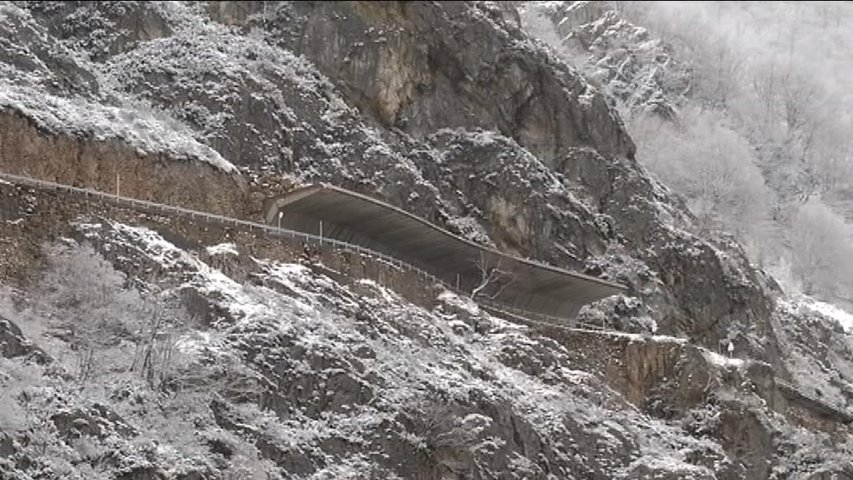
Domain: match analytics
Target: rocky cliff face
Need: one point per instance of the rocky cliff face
(449, 111)
(402, 101)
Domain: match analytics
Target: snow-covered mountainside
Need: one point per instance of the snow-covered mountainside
(740, 108)
(137, 346)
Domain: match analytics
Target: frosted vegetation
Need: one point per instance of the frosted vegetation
(759, 141)
(366, 358)
(95, 107)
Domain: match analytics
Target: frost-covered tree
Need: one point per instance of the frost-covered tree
(87, 303)
(90, 305)
(494, 278)
(822, 250)
(710, 164)
(764, 125)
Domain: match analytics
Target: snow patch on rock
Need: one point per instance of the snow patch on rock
(149, 133)
(222, 249)
(843, 317)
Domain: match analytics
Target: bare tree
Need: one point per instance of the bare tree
(155, 343)
(798, 96)
(87, 302)
(491, 274)
(765, 86)
(91, 307)
(718, 79)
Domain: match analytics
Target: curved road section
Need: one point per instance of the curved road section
(520, 284)
(520, 288)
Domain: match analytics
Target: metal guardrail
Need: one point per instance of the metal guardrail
(502, 308)
(486, 303)
(219, 219)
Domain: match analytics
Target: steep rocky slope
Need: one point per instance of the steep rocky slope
(644, 73)
(250, 359)
(416, 103)
(445, 109)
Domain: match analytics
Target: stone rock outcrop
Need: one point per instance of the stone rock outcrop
(424, 67)
(13, 344)
(631, 65)
(25, 150)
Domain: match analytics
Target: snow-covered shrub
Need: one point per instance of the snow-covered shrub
(824, 260)
(711, 165)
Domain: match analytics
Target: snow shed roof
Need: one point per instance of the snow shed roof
(372, 223)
